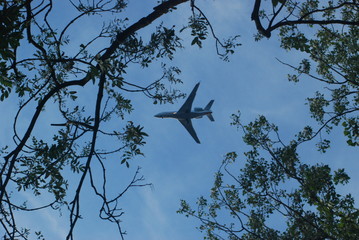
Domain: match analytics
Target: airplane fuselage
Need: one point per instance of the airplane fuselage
(183, 115)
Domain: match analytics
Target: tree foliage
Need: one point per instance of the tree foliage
(276, 185)
(44, 64)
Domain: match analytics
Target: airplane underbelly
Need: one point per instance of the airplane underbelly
(189, 115)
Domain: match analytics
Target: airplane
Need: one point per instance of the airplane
(184, 114)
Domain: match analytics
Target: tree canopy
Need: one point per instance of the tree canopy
(43, 63)
(275, 184)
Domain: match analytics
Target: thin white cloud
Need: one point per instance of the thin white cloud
(47, 221)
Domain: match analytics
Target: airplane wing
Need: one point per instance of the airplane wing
(187, 106)
(187, 123)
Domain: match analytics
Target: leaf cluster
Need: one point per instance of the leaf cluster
(11, 26)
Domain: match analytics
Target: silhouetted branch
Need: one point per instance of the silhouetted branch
(302, 20)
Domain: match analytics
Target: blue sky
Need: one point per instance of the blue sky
(252, 82)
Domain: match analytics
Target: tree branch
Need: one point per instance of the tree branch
(300, 21)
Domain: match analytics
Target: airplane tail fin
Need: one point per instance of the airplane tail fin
(208, 107)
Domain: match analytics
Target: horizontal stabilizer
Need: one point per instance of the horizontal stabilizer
(209, 105)
(210, 117)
